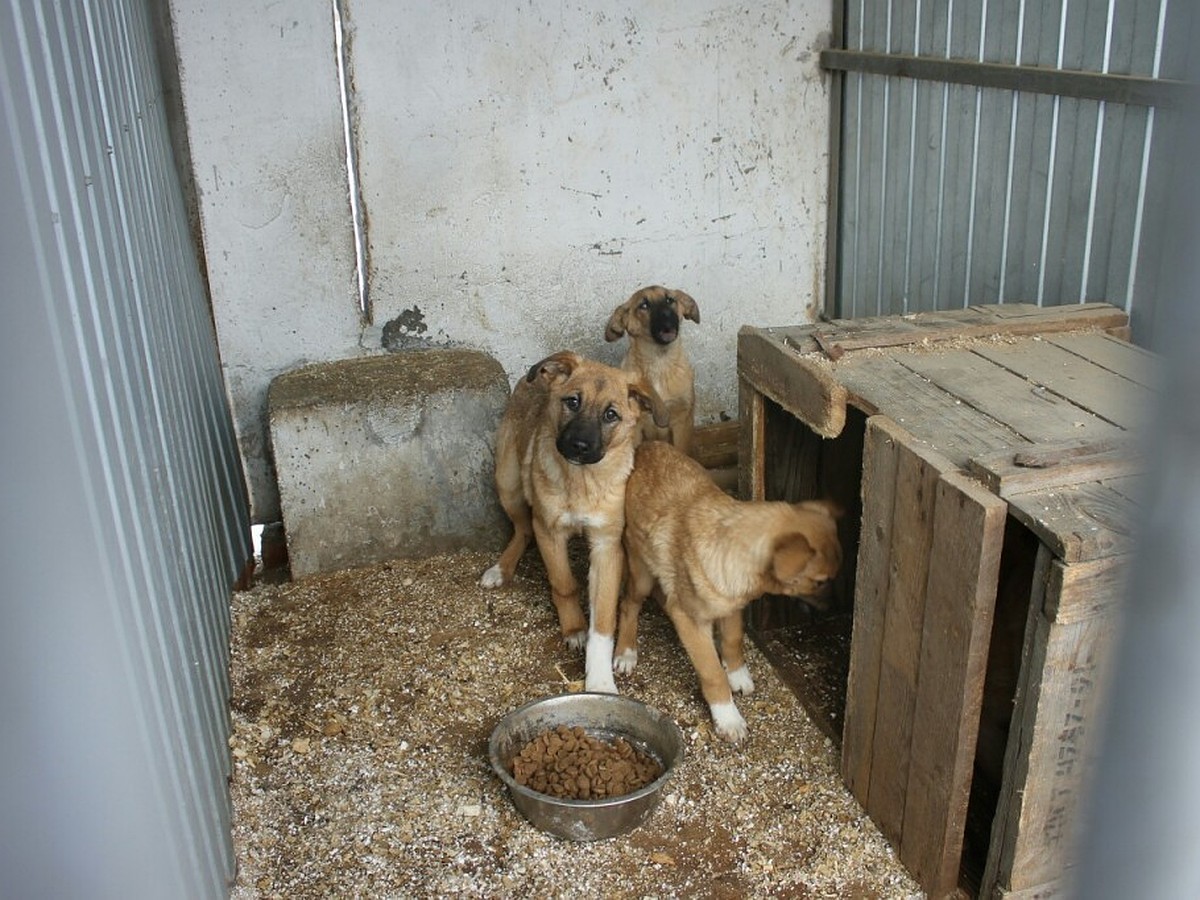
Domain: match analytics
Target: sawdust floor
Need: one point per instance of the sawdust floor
(362, 702)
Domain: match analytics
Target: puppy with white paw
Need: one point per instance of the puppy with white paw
(706, 556)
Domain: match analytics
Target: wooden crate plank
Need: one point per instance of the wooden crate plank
(1044, 466)
(715, 446)
(1104, 583)
(1030, 410)
(1118, 356)
(913, 512)
(967, 540)
(881, 445)
(1057, 722)
(1078, 522)
(751, 438)
(1087, 385)
(846, 335)
(800, 384)
(948, 425)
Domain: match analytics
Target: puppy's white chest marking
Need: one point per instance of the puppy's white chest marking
(582, 520)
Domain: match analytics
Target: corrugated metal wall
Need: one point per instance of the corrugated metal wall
(123, 511)
(953, 194)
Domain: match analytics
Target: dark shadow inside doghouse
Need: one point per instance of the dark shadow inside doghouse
(809, 644)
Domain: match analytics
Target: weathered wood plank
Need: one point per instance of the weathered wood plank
(845, 335)
(1046, 466)
(751, 441)
(881, 447)
(1078, 522)
(1032, 411)
(800, 384)
(1086, 384)
(1057, 719)
(968, 537)
(716, 446)
(946, 424)
(912, 535)
(1118, 356)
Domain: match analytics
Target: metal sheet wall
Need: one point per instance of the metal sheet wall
(952, 194)
(124, 515)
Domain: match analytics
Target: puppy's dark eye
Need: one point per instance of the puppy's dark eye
(571, 402)
(611, 415)
(645, 304)
(670, 300)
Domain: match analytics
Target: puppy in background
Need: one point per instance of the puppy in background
(651, 318)
(711, 555)
(564, 450)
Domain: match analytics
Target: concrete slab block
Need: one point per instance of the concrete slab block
(382, 457)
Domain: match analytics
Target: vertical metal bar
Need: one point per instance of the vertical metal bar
(1012, 149)
(941, 189)
(1062, 37)
(1144, 177)
(883, 180)
(833, 225)
(1099, 143)
(912, 167)
(974, 164)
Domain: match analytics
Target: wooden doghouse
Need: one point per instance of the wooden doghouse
(985, 459)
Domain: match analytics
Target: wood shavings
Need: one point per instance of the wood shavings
(391, 679)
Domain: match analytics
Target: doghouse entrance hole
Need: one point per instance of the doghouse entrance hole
(809, 644)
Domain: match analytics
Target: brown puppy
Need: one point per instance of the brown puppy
(651, 318)
(711, 555)
(564, 449)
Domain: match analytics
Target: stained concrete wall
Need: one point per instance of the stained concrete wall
(524, 168)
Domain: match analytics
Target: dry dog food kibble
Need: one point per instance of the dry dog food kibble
(570, 764)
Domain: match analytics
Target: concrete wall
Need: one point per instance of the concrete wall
(524, 168)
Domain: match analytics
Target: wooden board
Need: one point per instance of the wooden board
(968, 536)
(1084, 383)
(881, 448)
(1078, 522)
(716, 446)
(1046, 466)
(926, 581)
(1117, 356)
(1059, 703)
(842, 336)
(797, 383)
(955, 429)
(1034, 412)
(751, 444)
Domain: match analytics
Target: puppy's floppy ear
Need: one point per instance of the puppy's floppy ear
(791, 556)
(560, 364)
(616, 323)
(687, 306)
(647, 398)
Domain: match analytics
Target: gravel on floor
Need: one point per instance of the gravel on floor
(362, 702)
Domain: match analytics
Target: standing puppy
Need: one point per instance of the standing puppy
(564, 450)
(651, 318)
(711, 555)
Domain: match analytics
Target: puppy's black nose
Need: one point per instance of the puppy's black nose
(579, 448)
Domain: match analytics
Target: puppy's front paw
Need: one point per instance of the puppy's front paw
(740, 681)
(625, 661)
(492, 578)
(600, 681)
(575, 640)
(728, 722)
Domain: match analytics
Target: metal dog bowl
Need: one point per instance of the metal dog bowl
(605, 716)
